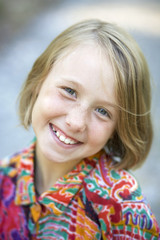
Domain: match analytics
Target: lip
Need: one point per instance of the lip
(62, 144)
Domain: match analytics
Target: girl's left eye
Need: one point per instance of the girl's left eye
(70, 91)
(103, 112)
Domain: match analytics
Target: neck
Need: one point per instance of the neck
(47, 172)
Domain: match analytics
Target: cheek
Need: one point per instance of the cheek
(47, 107)
(40, 111)
(102, 133)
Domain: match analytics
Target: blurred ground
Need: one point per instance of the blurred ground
(27, 27)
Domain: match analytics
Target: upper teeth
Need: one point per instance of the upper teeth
(62, 138)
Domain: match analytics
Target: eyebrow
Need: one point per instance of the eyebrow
(73, 82)
(80, 86)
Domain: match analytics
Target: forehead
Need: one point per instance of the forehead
(89, 68)
(81, 50)
(87, 63)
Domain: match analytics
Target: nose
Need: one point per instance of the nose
(76, 119)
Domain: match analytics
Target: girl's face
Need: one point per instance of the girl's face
(74, 115)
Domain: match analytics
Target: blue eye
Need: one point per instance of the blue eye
(103, 112)
(70, 91)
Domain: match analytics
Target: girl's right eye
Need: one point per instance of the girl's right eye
(70, 91)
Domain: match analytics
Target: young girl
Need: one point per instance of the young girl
(87, 98)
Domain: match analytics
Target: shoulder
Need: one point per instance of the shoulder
(117, 199)
(106, 182)
(8, 165)
(8, 179)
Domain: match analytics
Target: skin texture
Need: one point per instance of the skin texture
(77, 100)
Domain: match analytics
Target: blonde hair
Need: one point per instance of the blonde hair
(133, 136)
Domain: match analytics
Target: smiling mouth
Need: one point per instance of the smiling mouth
(62, 137)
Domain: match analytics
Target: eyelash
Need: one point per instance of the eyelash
(103, 112)
(70, 91)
